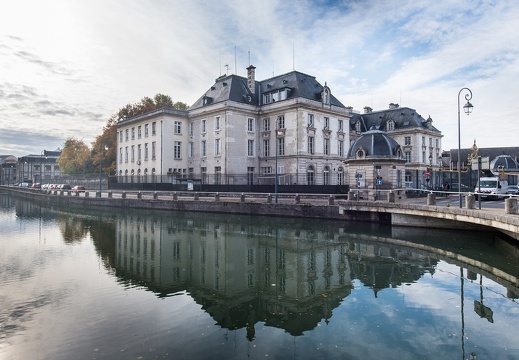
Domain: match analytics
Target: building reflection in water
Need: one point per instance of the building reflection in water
(243, 273)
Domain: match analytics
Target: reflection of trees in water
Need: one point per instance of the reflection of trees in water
(73, 229)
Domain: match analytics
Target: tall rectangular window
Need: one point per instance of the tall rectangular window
(311, 145)
(281, 122)
(127, 137)
(266, 124)
(217, 147)
(203, 128)
(203, 148)
(191, 149)
(266, 147)
(250, 148)
(139, 152)
(133, 153)
(407, 140)
(191, 128)
(250, 175)
(281, 146)
(178, 127)
(340, 147)
(217, 175)
(153, 128)
(326, 122)
(326, 148)
(407, 156)
(146, 151)
(133, 133)
(341, 125)
(139, 131)
(217, 123)
(121, 136)
(310, 120)
(121, 154)
(250, 124)
(203, 172)
(176, 150)
(146, 130)
(126, 154)
(153, 150)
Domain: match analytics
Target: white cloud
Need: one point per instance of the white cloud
(88, 59)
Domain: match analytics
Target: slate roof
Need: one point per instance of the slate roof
(376, 144)
(492, 153)
(403, 117)
(234, 88)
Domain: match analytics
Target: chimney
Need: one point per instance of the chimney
(367, 109)
(251, 78)
(394, 106)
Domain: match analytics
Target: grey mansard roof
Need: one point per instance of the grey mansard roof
(403, 118)
(234, 88)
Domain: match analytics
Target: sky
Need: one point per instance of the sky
(67, 65)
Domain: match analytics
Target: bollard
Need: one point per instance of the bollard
(297, 199)
(470, 201)
(139, 195)
(511, 206)
(242, 197)
(155, 195)
(331, 200)
(351, 195)
(109, 194)
(86, 193)
(76, 193)
(391, 196)
(431, 199)
(175, 196)
(269, 199)
(68, 192)
(217, 197)
(196, 196)
(123, 195)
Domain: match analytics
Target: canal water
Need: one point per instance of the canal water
(128, 284)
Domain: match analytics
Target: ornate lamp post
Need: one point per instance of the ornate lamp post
(468, 109)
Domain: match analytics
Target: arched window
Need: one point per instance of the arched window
(310, 175)
(326, 175)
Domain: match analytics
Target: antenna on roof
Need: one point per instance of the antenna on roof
(227, 67)
(249, 57)
(293, 57)
(220, 57)
(235, 66)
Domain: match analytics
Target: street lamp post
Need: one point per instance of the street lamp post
(468, 109)
(101, 170)
(41, 165)
(431, 172)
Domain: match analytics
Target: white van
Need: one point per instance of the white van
(491, 187)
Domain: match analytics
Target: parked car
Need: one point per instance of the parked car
(454, 188)
(513, 190)
(36, 186)
(64, 187)
(78, 188)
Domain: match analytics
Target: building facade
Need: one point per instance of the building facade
(246, 132)
(243, 132)
(420, 141)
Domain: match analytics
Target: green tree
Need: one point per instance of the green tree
(75, 157)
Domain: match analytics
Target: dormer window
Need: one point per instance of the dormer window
(390, 125)
(360, 153)
(357, 126)
(276, 95)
